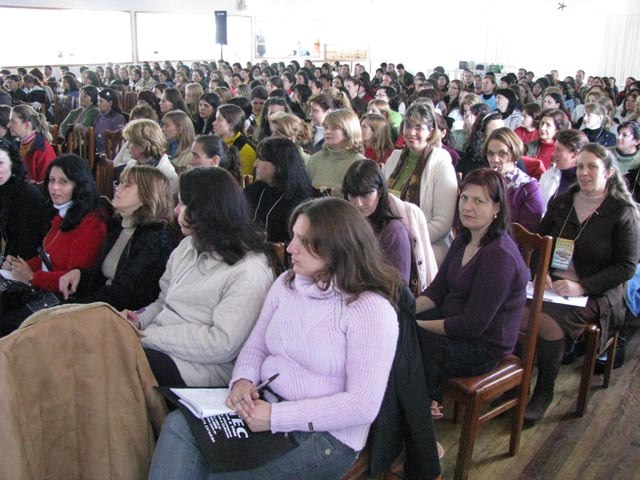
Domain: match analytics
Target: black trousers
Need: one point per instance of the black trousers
(449, 357)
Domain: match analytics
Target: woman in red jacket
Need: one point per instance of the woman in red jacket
(73, 240)
(32, 129)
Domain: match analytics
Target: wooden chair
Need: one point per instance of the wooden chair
(113, 143)
(511, 373)
(279, 248)
(359, 470)
(82, 143)
(55, 140)
(130, 101)
(63, 104)
(592, 352)
(246, 180)
(104, 176)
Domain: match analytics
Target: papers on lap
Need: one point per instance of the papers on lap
(553, 297)
(204, 402)
(225, 441)
(7, 274)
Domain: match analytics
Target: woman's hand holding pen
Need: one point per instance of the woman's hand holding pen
(242, 398)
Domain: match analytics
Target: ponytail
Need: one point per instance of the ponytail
(42, 126)
(38, 121)
(230, 161)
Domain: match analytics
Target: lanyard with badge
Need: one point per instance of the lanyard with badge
(563, 252)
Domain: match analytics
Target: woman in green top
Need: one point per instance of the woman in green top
(85, 115)
(422, 173)
(342, 146)
(627, 151)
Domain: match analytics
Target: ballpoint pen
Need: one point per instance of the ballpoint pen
(266, 383)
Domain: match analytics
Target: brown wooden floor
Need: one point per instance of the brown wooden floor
(604, 444)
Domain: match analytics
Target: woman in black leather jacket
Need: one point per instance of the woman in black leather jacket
(137, 246)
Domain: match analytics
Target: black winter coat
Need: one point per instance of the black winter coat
(142, 263)
(405, 418)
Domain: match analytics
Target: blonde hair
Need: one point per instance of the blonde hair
(340, 98)
(470, 99)
(382, 106)
(154, 192)
(224, 93)
(185, 125)
(38, 121)
(347, 121)
(193, 91)
(291, 126)
(147, 134)
(243, 90)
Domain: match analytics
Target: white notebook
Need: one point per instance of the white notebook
(204, 402)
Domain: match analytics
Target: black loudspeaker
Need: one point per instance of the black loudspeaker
(221, 27)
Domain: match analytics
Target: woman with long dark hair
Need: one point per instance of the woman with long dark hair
(229, 125)
(207, 108)
(212, 289)
(365, 188)
(282, 183)
(73, 239)
(22, 208)
(211, 151)
(315, 330)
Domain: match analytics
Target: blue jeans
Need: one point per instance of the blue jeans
(318, 455)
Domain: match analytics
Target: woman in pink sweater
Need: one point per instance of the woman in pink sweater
(329, 329)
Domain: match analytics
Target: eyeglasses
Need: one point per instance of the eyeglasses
(417, 128)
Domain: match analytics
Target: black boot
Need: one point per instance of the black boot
(549, 359)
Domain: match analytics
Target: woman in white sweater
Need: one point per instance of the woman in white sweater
(213, 288)
(424, 175)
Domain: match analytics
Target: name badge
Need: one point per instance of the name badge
(562, 254)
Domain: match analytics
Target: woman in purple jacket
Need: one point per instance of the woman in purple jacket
(474, 305)
(316, 330)
(503, 149)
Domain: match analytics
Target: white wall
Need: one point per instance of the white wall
(595, 35)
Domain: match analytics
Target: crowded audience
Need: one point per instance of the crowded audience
(218, 162)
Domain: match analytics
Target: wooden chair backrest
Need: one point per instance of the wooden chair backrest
(279, 249)
(82, 143)
(54, 130)
(534, 248)
(104, 176)
(246, 180)
(130, 100)
(113, 142)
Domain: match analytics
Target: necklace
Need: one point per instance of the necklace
(266, 220)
